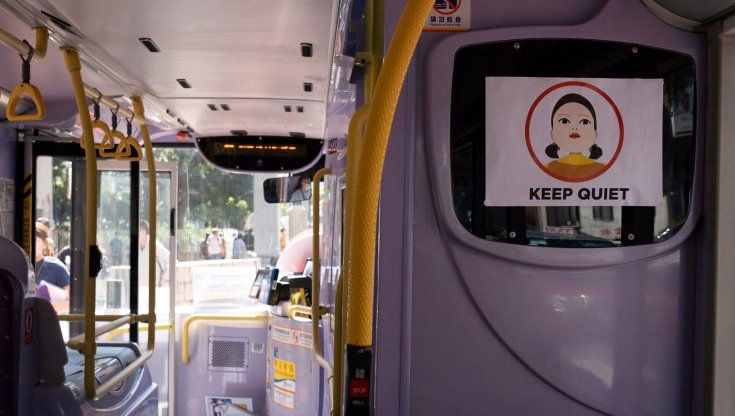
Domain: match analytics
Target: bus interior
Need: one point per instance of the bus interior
(355, 207)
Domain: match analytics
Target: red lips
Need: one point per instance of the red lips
(574, 136)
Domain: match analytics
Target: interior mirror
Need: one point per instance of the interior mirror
(260, 153)
(293, 188)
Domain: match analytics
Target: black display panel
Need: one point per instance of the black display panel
(570, 226)
(259, 153)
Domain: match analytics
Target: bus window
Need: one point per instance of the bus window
(570, 226)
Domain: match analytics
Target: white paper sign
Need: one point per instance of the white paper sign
(567, 142)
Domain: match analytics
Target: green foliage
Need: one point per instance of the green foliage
(213, 196)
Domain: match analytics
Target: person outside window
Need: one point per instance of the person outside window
(162, 256)
(50, 271)
(215, 246)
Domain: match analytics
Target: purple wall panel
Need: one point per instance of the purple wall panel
(491, 328)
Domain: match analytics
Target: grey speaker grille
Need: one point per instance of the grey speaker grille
(228, 354)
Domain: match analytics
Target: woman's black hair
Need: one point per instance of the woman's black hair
(574, 98)
(595, 152)
(552, 151)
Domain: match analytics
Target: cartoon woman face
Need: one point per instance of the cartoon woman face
(573, 128)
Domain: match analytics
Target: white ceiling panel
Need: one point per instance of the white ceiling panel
(246, 53)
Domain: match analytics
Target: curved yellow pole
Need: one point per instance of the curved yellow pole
(191, 319)
(87, 347)
(85, 343)
(359, 318)
(377, 130)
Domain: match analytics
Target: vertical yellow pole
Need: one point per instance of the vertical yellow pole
(71, 58)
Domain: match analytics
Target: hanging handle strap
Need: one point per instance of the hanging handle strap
(129, 147)
(114, 134)
(26, 89)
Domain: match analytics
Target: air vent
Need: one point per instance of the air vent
(308, 86)
(300, 109)
(149, 44)
(287, 108)
(297, 134)
(183, 82)
(239, 132)
(306, 50)
(212, 107)
(225, 107)
(62, 24)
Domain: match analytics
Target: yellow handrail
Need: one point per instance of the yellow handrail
(78, 317)
(122, 330)
(380, 118)
(360, 302)
(299, 311)
(201, 317)
(86, 343)
(354, 147)
(77, 342)
(39, 51)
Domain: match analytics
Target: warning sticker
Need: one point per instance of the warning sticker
(449, 16)
(284, 381)
(292, 336)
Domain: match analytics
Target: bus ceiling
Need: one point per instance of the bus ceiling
(201, 70)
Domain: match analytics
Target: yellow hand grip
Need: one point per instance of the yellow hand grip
(134, 151)
(107, 141)
(25, 90)
(114, 134)
(99, 124)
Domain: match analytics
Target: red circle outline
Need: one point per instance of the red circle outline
(459, 3)
(528, 128)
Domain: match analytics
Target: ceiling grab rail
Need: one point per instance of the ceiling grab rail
(86, 343)
(362, 247)
(25, 88)
(107, 142)
(316, 309)
(129, 148)
(204, 317)
(108, 148)
(114, 134)
(354, 147)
